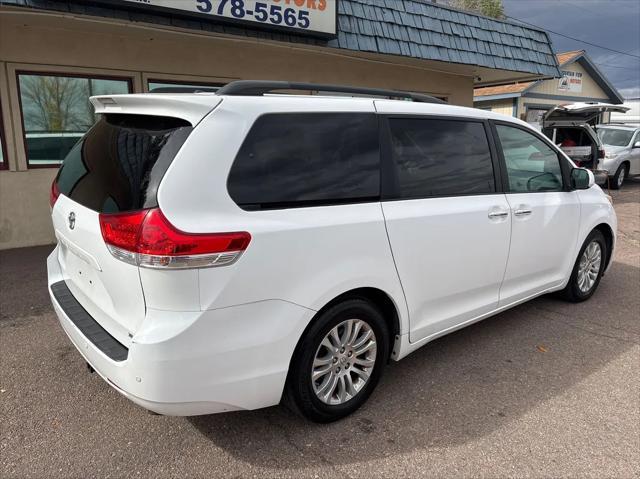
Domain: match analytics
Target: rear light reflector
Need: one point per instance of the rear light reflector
(146, 238)
(54, 193)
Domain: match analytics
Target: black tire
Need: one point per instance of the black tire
(299, 394)
(572, 291)
(618, 179)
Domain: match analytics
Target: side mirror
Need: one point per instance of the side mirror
(636, 144)
(582, 179)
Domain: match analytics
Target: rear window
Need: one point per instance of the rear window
(295, 160)
(118, 165)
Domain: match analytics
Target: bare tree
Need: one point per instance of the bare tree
(55, 103)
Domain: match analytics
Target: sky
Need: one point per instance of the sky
(611, 23)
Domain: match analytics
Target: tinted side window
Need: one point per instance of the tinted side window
(307, 159)
(434, 157)
(531, 164)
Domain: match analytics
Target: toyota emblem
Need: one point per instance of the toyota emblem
(72, 220)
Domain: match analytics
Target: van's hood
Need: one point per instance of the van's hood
(579, 113)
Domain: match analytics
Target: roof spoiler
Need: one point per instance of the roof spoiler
(188, 107)
(259, 88)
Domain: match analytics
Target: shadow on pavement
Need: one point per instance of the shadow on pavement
(23, 287)
(454, 390)
(629, 193)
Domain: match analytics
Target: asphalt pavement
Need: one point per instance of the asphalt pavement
(547, 389)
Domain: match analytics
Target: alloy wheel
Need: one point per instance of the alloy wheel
(589, 267)
(344, 361)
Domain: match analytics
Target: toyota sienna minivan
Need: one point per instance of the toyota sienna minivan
(234, 250)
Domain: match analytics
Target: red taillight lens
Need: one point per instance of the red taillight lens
(122, 229)
(54, 193)
(156, 243)
(159, 237)
(601, 153)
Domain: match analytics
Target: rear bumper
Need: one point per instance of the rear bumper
(201, 362)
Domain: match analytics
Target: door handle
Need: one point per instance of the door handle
(522, 212)
(498, 214)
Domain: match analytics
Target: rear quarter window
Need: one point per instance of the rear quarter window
(307, 159)
(118, 165)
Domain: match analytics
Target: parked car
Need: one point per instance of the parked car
(622, 152)
(572, 128)
(228, 251)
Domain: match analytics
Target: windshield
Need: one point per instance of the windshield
(615, 137)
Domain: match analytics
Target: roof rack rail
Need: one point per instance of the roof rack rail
(258, 88)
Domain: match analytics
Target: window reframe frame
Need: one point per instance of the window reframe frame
(4, 164)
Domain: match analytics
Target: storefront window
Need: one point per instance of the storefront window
(56, 112)
(534, 117)
(156, 84)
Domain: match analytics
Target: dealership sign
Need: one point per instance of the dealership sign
(313, 17)
(570, 81)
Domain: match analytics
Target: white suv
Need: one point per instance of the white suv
(622, 152)
(226, 251)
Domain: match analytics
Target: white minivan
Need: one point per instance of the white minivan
(230, 251)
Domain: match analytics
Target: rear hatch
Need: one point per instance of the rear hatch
(571, 128)
(116, 167)
(579, 113)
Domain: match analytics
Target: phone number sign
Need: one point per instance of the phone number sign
(314, 17)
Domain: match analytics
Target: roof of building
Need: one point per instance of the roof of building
(566, 58)
(411, 28)
(421, 29)
(502, 89)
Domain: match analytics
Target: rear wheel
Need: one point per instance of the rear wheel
(618, 178)
(588, 269)
(338, 362)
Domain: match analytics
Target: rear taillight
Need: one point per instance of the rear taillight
(146, 238)
(54, 193)
(601, 153)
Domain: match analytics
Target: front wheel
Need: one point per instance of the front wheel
(618, 178)
(338, 362)
(588, 268)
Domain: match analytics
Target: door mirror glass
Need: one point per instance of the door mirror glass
(636, 144)
(582, 179)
